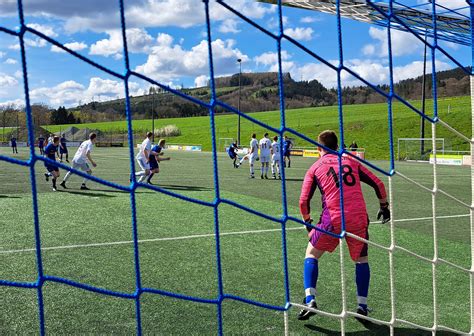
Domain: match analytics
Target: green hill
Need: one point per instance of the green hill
(367, 124)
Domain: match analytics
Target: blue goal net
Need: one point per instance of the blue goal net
(434, 21)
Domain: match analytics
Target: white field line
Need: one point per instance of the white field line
(207, 235)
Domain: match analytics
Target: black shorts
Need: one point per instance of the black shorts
(153, 164)
(51, 168)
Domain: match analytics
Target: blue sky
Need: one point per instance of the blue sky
(167, 42)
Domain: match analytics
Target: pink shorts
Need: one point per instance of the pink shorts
(325, 242)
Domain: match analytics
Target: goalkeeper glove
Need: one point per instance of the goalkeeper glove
(309, 221)
(384, 213)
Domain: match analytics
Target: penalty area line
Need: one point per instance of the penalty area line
(207, 235)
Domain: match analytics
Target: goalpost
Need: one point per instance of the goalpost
(447, 26)
(419, 149)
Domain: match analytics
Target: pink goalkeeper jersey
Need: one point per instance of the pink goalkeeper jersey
(324, 174)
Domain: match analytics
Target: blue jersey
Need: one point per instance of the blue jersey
(40, 142)
(152, 158)
(13, 141)
(286, 145)
(63, 142)
(50, 151)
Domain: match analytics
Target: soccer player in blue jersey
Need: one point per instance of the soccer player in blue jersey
(51, 152)
(287, 145)
(63, 149)
(232, 152)
(14, 148)
(154, 157)
(41, 144)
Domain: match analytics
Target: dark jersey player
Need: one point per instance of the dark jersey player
(63, 149)
(14, 147)
(324, 175)
(51, 152)
(287, 144)
(154, 157)
(232, 152)
(41, 144)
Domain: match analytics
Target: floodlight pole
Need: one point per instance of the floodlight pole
(153, 115)
(423, 102)
(240, 95)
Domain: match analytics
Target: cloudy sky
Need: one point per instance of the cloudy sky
(167, 42)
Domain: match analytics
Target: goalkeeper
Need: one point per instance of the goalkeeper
(324, 174)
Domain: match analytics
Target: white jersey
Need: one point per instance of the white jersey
(81, 154)
(50, 140)
(146, 145)
(275, 151)
(254, 147)
(265, 146)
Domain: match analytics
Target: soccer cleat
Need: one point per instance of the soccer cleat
(274, 176)
(67, 161)
(364, 312)
(46, 176)
(279, 177)
(266, 177)
(84, 187)
(54, 188)
(63, 184)
(306, 314)
(261, 176)
(149, 182)
(252, 176)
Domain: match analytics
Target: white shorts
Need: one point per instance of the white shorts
(82, 166)
(265, 158)
(276, 158)
(252, 158)
(143, 164)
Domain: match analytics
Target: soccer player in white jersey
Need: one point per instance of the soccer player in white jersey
(143, 158)
(275, 157)
(265, 149)
(252, 155)
(80, 160)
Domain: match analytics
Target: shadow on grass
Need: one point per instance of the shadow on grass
(9, 196)
(294, 179)
(86, 193)
(377, 329)
(182, 187)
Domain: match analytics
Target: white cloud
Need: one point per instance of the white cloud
(310, 19)
(76, 46)
(452, 4)
(10, 61)
(269, 58)
(7, 81)
(403, 43)
(2, 54)
(300, 33)
(229, 26)
(45, 29)
(97, 16)
(70, 93)
(201, 81)
(138, 41)
(15, 102)
(168, 61)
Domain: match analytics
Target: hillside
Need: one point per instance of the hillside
(367, 124)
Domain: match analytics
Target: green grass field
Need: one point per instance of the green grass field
(367, 124)
(86, 238)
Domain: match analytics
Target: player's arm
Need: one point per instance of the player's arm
(159, 159)
(90, 158)
(308, 188)
(372, 180)
(147, 153)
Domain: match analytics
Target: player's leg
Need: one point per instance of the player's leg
(89, 172)
(319, 243)
(273, 168)
(251, 161)
(67, 156)
(278, 168)
(289, 161)
(55, 177)
(267, 165)
(153, 171)
(359, 254)
(68, 174)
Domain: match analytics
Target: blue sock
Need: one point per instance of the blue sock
(310, 278)
(362, 274)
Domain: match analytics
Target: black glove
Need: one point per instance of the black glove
(309, 221)
(384, 213)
